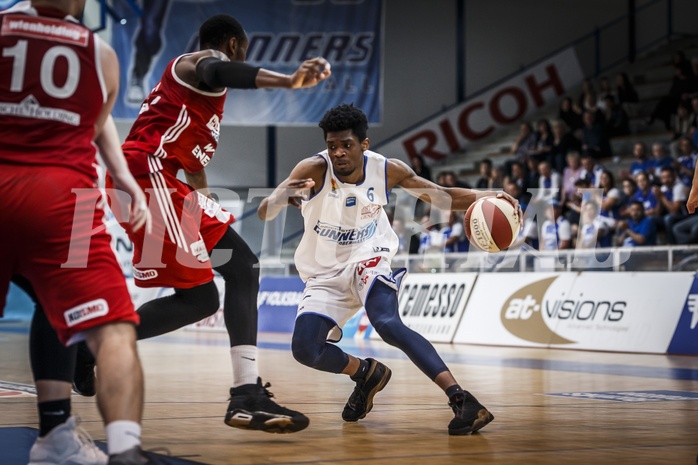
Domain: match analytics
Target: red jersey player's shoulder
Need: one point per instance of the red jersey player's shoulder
(185, 68)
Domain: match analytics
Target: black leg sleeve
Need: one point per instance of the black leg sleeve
(184, 307)
(50, 360)
(241, 274)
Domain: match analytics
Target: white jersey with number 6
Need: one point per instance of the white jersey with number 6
(346, 223)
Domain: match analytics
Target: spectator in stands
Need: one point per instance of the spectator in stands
(544, 140)
(451, 180)
(645, 196)
(610, 196)
(497, 179)
(485, 178)
(454, 233)
(616, 119)
(625, 92)
(642, 163)
(590, 105)
(403, 236)
(686, 160)
(591, 170)
(638, 230)
(660, 160)
(548, 182)
(671, 197)
(518, 176)
(419, 167)
(570, 174)
(593, 230)
(629, 187)
(515, 191)
(573, 207)
(571, 115)
(532, 174)
(563, 143)
(605, 91)
(683, 88)
(594, 139)
(524, 142)
(587, 91)
(431, 243)
(686, 231)
(556, 231)
(680, 126)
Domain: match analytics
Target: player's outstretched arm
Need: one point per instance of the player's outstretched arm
(444, 198)
(110, 150)
(215, 71)
(299, 186)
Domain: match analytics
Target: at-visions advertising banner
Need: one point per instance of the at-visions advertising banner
(483, 114)
(433, 304)
(282, 34)
(627, 312)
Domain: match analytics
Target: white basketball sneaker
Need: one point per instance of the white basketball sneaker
(66, 445)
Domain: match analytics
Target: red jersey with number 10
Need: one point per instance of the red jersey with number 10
(51, 90)
(178, 127)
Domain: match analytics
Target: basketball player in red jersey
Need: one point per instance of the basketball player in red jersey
(58, 83)
(178, 128)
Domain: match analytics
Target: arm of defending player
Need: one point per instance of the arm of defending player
(113, 157)
(298, 186)
(217, 73)
(444, 198)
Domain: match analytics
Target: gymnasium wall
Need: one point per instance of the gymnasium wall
(420, 77)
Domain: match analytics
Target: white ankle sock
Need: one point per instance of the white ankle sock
(245, 370)
(122, 435)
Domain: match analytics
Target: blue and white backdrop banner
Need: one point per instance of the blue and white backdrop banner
(282, 34)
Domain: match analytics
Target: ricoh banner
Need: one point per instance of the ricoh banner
(482, 115)
(626, 312)
(282, 34)
(433, 304)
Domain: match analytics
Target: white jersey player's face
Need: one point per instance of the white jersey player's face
(347, 155)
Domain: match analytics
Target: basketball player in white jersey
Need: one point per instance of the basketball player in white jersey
(344, 260)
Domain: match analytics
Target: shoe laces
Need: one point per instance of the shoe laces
(265, 389)
(85, 438)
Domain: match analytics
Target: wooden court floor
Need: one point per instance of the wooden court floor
(188, 375)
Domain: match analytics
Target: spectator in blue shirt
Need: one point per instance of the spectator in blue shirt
(660, 160)
(645, 196)
(641, 163)
(639, 230)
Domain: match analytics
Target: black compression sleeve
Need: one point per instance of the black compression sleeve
(217, 73)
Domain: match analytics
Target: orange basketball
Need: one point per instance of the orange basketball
(491, 224)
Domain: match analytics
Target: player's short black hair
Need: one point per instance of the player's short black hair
(218, 29)
(343, 117)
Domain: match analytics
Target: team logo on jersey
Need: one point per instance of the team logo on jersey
(214, 124)
(350, 202)
(370, 211)
(87, 311)
(334, 192)
(343, 236)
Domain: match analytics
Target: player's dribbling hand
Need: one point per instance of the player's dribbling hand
(311, 72)
(515, 204)
(298, 190)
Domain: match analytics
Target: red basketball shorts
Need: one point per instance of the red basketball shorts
(186, 226)
(53, 234)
